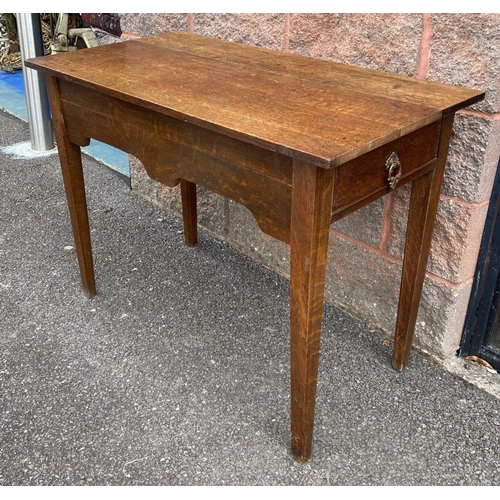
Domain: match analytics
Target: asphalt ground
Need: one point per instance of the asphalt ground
(177, 372)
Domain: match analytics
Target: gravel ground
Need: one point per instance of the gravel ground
(176, 373)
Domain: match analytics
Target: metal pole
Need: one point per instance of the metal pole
(31, 43)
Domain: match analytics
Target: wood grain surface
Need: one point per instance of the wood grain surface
(294, 105)
(300, 142)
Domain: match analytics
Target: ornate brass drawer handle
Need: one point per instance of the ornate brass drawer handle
(393, 166)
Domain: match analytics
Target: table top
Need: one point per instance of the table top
(318, 111)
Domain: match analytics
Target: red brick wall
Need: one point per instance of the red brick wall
(366, 247)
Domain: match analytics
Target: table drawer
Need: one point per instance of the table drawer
(369, 176)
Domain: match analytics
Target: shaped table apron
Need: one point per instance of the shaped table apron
(261, 180)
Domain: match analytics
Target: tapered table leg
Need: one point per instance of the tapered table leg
(310, 222)
(72, 172)
(189, 212)
(422, 215)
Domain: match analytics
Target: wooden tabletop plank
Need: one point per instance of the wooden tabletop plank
(437, 95)
(285, 104)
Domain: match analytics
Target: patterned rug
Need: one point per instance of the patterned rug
(10, 55)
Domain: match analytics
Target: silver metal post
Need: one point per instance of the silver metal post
(31, 43)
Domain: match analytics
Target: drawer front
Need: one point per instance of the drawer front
(369, 176)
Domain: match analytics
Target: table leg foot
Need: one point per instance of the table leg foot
(72, 171)
(71, 165)
(309, 231)
(418, 239)
(424, 202)
(298, 450)
(189, 212)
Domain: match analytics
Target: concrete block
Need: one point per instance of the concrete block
(263, 30)
(388, 42)
(441, 317)
(170, 198)
(245, 235)
(212, 212)
(465, 51)
(456, 239)
(472, 158)
(363, 283)
(141, 182)
(152, 23)
(365, 224)
(366, 285)
(165, 23)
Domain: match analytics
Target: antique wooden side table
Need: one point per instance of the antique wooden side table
(300, 142)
